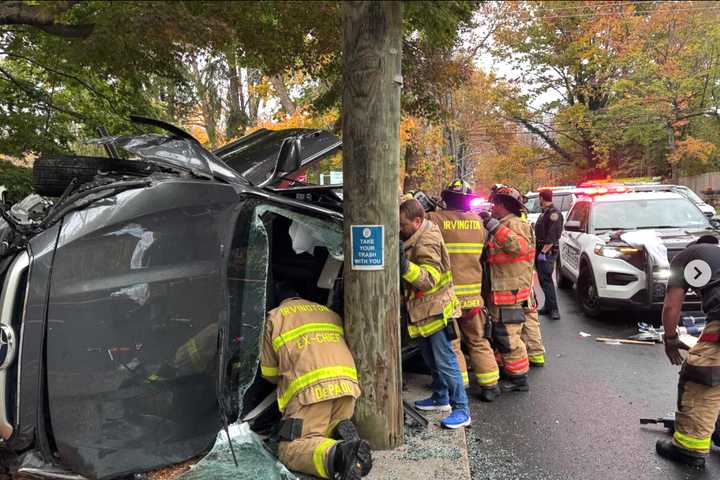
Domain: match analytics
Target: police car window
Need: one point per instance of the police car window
(533, 204)
(638, 214)
(578, 213)
(564, 203)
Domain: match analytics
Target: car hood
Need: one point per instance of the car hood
(672, 238)
(254, 156)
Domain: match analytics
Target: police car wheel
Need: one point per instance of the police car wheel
(563, 282)
(587, 293)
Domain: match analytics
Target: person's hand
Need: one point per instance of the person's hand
(541, 257)
(404, 263)
(491, 224)
(673, 345)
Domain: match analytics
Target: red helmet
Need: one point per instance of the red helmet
(505, 192)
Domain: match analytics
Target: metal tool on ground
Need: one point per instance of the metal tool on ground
(667, 421)
(623, 341)
(414, 415)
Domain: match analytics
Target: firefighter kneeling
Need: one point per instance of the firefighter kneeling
(510, 256)
(305, 353)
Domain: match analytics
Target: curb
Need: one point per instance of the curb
(435, 453)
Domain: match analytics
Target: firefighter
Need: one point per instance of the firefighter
(698, 403)
(305, 353)
(464, 236)
(432, 307)
(547, 235)
(510, 257)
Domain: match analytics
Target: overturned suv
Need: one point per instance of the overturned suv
(134, 292)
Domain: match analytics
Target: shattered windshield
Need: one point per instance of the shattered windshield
(171, 152)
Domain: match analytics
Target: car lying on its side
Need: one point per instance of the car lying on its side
(134, 294)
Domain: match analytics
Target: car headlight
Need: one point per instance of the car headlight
(633, 256)
(662, 273)
(615, 252)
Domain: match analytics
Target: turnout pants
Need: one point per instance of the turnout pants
(532, 337)
(698, 403)
(482, 358)
(309, 453)
(507, 339)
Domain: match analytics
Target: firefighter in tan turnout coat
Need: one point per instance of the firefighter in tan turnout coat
(305, 353)
(432, 307)
(510, 256)
(464, 236)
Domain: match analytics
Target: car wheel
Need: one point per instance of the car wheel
(52, 175)
(563, 282)
(587, 293)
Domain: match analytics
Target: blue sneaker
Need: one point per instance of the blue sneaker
(431, 405)
(457, 419)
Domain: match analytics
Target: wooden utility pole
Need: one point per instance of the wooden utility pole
(371, 151)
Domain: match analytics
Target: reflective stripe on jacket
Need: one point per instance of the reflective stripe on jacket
(511, 257)
(304, 351)
(429, 292)
(464, 236)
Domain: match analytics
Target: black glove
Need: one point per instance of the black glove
(673, 345)
(491, 224)
(404, 262)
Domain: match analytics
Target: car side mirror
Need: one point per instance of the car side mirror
(289, 159)
(715, 223)
(573, 226)
(290, 156)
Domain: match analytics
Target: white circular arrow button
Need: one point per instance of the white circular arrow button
(697, 273)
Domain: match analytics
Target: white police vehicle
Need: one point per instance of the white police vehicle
(610, 273)
(563, 199)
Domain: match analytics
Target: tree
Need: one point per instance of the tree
(371, 146)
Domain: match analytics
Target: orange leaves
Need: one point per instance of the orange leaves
(691, 149)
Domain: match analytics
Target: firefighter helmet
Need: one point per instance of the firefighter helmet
(507, 193)
(457, 195)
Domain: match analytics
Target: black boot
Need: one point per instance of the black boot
(349, 460)
(555, 315)
(489, 394)
(347, 431)
(667, 449)
(515, 383)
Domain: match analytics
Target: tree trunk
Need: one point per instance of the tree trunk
(279, 85)
(371, 150)
(236, 119)
(412, 160)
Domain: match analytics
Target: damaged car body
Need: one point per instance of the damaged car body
(134, 294)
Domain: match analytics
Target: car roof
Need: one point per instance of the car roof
(629, 196)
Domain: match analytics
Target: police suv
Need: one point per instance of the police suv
(609, 272)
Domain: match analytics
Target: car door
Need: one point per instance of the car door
(570, 240)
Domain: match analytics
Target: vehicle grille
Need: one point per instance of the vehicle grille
(12, 308)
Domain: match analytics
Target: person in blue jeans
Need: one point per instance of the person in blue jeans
(432, 307)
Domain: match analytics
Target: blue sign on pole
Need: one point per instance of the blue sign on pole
(367, 244)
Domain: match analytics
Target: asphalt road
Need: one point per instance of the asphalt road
(580, 419)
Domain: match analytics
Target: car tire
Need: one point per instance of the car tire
(563, 282)
(587, 292)
(52, 175)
